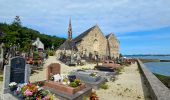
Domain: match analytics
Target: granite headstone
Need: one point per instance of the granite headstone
(17, 71)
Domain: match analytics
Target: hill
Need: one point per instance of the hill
(15, 33)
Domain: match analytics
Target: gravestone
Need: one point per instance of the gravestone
(91, 81)
(17, 71)
(53, 68)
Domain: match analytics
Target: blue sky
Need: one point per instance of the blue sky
(142, 26)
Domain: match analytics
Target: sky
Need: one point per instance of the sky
(141, 26)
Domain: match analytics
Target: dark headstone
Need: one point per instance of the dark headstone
(17, 70)
(71, 78)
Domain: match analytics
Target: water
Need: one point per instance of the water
(152, 57)
(157, 67)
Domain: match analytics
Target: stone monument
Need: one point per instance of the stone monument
(17, 71)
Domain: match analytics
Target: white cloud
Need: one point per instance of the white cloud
(117, 16)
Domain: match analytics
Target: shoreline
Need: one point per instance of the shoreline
(164, 79)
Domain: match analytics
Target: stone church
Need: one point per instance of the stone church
(92, 42)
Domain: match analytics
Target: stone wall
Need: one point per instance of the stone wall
(94, 41)
(157, 89)
(114, 46)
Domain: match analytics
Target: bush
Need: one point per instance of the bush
(35, 55)
(51, 53)
(104, 86)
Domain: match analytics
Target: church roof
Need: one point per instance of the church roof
(111, 34)
(79, 37)
(68, 45)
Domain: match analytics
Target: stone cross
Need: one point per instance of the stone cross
(17, 71)
(53, 69)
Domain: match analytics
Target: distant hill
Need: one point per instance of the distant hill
(15, 33)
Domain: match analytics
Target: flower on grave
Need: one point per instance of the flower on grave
(28, 92)
(93, 96)
(18, 89)
(12, 84)
(76, 83)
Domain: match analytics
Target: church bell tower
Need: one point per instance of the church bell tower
(70, 31)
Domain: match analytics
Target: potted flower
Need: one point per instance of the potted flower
(76, 83)
(65, 81)
(13, 86)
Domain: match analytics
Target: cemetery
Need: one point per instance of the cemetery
(37, 70)
(74, 85)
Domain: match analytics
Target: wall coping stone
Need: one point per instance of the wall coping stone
(157, 89)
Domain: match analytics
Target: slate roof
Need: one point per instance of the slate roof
(79, 37)
(68, 45)
(107, 36)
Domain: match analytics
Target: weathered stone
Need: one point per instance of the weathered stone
(92, 43)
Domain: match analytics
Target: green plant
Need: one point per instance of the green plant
(84, 98)
(1, 78)
(164, 79)
(119, 70)
(77, 81)
(73, 84)
(65, 80)
(104, 86)
(51, 53)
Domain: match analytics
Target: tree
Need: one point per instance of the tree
(17, 21)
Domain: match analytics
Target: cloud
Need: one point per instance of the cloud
(118, 16)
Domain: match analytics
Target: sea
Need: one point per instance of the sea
(162, 68)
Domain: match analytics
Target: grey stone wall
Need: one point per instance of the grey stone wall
(157, 89)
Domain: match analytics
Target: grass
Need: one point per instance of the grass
(164, 79)
(119, 70)
(104, 86)
(1, 78)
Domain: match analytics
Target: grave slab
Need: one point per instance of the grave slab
(91, 81)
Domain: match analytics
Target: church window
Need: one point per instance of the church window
(95, 34)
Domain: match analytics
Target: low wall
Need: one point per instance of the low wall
(157, 89)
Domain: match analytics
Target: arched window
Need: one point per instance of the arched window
(96, 45)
